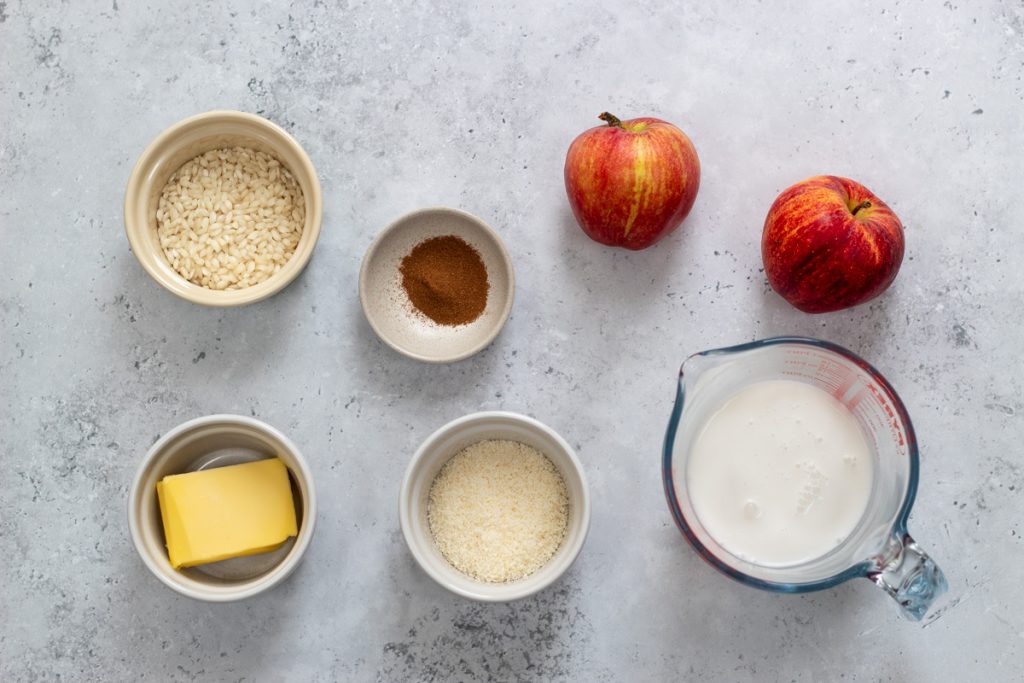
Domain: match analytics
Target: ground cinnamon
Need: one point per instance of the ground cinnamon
(446, 280)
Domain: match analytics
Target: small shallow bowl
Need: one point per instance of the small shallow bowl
(448, 441)
(203, 443)
(186, 140)
(391, 314)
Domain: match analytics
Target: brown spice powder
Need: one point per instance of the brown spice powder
(446, 280)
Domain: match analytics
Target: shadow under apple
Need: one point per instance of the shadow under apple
(611, 282)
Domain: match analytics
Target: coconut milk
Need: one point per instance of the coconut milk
(780, 474)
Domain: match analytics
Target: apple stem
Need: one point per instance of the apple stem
(863, 205)
(613, 121)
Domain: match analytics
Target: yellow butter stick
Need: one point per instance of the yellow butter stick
(226, 512)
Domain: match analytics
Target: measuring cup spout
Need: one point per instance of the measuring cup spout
(908, 575)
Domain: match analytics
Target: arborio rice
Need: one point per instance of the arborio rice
(230, 218)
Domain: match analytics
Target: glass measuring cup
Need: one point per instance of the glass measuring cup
(879, 547)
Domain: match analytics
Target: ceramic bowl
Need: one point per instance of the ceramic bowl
(186, 140)
(448, 441)
(203, 443)
(391, 314)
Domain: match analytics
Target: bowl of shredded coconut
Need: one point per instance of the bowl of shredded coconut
(494, 506)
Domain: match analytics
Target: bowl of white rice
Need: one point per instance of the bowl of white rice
(494, 506)
(223, 209)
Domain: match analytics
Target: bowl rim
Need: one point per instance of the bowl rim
(258, 584)
(506, 262)
(454, 580)
(192, 292)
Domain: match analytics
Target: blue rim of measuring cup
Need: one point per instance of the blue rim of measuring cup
(858, 570)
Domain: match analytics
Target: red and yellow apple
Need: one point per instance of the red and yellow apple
(829, 243)
(632, 182)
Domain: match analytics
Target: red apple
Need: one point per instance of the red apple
(630, 183)
(829, 244)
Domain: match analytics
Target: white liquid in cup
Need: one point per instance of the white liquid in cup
(780, 474)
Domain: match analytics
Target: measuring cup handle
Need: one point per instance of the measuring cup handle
(906, 573)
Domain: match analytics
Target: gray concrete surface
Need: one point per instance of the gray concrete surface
(403, 105)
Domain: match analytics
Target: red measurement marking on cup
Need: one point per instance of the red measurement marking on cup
(852, 402)
(836, 378)
(893, 420)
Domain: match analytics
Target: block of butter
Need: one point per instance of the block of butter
(226, 512)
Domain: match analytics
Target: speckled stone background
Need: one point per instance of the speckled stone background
(403, 105)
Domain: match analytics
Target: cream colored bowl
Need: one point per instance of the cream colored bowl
(214, 441)
(387, 307)
(443, 445)
(186, 140)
